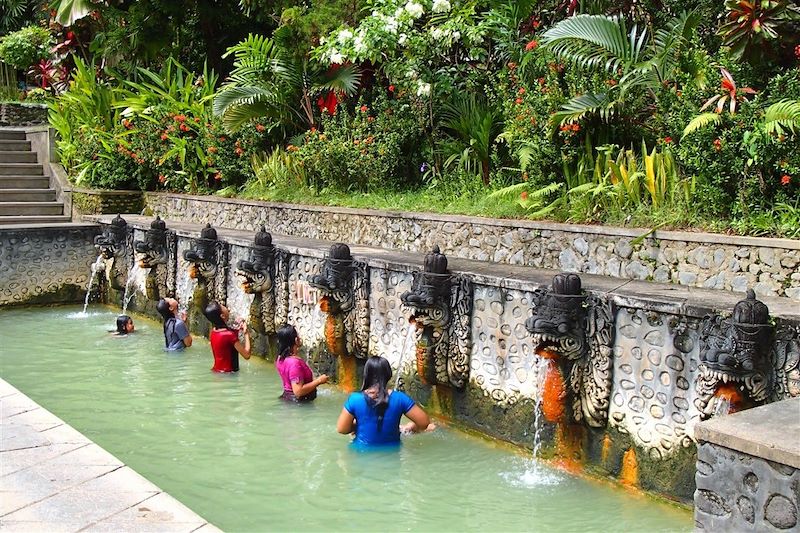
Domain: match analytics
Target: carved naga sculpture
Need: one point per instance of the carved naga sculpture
(208, 262)
(344, 285)
(157, 253)
(265, 277)
(441, 306)
(115, 249)
(575, 332)
(735, 368)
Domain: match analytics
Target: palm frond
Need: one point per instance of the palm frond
(782, 116)
(581, 106)
(701, 121)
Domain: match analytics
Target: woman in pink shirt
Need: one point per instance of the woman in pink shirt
(299, 384)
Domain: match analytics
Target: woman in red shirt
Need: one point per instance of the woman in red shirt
(225, 344)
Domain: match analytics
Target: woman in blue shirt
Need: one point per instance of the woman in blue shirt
(374, 413)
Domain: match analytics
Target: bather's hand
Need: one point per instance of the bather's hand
(323, 378)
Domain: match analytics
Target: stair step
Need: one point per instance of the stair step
(33, 219)
(12, 135)
(9, 156)
(27, 195)
(24, 182)
(16, 169)
(12, 145)
(31, 208)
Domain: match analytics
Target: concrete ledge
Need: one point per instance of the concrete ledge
(770, 432)
(53, 478)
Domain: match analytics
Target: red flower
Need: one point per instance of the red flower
(524, 195)
(521, 91)
(184, 127)
(180, 118)
(518, 101)
(717, 145)
(391, 88)
(370, 119)
(218, 176)
(127, 123)
(532, 45)
(611, 82)
(786, 179)
(164, 136)
(162, 178)
(363, 108)
(260, 127)
(238, 151)
(212, 149)
(70, 35)
(328, 103)
(797, 51)
(667, 140)
(223, 139)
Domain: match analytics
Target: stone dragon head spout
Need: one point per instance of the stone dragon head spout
(440, 308)
(256, 274)
(202, 256)
(153, 250)
(558, 321)
(573, 332)
(113, 246)
(734, 367)
(345, 298)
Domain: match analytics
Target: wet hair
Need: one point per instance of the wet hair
(163, 309)
(377, 373)
(287, 337)
(213, 312)
(122, 324)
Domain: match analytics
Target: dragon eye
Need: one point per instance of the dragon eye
(563, 327)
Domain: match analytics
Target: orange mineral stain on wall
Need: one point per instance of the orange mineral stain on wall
(606, 448)
(554, 390)
(347, 373)
(335, 342)
(422, 357)
(629, 474)
(568, 447)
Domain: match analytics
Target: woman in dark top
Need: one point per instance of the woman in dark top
(176, 334)
(225, 344)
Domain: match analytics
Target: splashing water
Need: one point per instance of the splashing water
(409, 333)
(722, 406)
(541, 373)
(94, 268)
(133, 274)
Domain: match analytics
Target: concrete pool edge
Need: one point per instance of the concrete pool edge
(53, 478)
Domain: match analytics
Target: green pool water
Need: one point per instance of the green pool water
(228, 448)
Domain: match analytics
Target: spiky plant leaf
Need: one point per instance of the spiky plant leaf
(701, 121)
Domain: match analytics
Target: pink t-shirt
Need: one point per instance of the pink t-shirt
(293, 370)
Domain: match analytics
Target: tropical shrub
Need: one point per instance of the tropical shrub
(24, 47)
(374, 147)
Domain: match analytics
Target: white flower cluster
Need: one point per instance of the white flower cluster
(334, 56)
(423, 89)
(440, 34)
(414, 9)
(344, 36)
(440, 6)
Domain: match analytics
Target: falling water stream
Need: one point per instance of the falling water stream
(133, 274)
(94, 268)
(409, 333)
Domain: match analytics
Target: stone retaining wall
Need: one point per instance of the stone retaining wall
(769, 266)
(46, 265)
(19, 114)
(97, 202)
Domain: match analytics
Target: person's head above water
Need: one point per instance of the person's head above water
(124, 325)
(217, 314)
(377, 373)
(287, 340)
(167, 308)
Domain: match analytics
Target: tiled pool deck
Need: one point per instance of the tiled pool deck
(52, 478)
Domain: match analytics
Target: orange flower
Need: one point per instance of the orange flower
(717, 145)
(532, 45)
(180, 118)
(218, 176)
(356, 142)
(184, 127)
(521, 91)
(260, 127)
(524, 195)
(238, 151)
(162, 178)
(212, 149)
(223, 139)
(164, 136)
(518, 101)
(363, 109)
(786, 179)
(370, 119)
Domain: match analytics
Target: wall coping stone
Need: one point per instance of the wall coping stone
(770, 431)
(652, 296)
(48, 225)
(700, 237)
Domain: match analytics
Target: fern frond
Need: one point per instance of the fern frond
(701, 121)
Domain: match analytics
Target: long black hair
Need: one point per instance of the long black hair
(213, 312)
(169, 318)
(287, 337)
(122, 324)
(377, 373)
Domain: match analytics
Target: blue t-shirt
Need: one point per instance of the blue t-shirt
(174, 332)
(367, 418)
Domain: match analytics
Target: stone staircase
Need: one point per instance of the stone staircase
(25, 193)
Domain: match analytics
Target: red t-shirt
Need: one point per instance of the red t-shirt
(226, 358)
